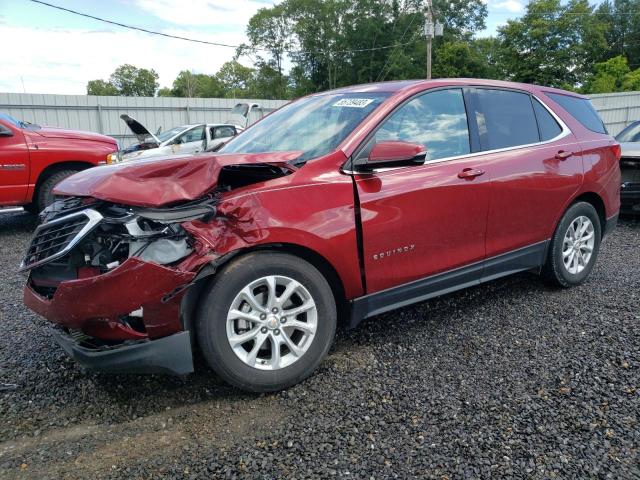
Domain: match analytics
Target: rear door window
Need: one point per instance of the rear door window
(581, 109)
(505, 119)
(548, 126)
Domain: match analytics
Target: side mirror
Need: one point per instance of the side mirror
(393, 153)
(5, 132)
(177, 141)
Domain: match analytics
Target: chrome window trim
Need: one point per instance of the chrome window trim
(94, 219)
(565, 132)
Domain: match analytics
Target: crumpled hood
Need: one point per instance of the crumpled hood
(161, 180)
(50, 132)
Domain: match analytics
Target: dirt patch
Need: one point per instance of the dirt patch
(83, 450)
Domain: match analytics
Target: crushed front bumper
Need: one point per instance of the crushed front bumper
(126, 288)
(169, 355)
(91, 307)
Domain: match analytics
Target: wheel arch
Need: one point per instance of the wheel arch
(596, 201)
(58, 167)
(204, 278)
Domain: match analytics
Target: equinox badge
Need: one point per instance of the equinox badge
(389, 253)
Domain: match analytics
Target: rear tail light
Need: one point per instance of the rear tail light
(617, 151)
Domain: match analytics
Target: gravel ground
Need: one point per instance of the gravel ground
(510, 379)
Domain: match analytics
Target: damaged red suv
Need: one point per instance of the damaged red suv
(344, 204)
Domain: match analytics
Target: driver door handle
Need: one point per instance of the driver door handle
(470, 173)
(563, 155)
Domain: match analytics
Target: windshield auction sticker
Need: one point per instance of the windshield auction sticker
(353, 102)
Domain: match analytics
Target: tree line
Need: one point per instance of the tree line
(302, 46)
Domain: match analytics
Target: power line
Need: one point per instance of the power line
(612, 14)
(401, 38)
(206, 42)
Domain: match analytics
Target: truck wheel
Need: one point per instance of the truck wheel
(44, 194)
(574, 246)
(266, 322)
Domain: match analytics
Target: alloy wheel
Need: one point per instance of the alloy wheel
(272, 322)
(578, 244)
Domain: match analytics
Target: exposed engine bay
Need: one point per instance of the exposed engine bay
(85, 237)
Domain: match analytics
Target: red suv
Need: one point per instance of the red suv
(347, 204)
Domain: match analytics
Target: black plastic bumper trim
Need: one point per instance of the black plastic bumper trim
(169, 355)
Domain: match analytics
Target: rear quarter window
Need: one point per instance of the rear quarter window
(581, 109)
(547, 125)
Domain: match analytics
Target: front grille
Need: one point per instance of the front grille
(56, 238)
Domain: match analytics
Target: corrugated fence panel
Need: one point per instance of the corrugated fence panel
(617, 109)
(102, 114)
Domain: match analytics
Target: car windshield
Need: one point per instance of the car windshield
(630, 133)
(11, 120)
(169, 134)
(315, 125)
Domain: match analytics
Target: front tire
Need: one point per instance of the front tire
(267, 321)
(44, 195)
(574, 246)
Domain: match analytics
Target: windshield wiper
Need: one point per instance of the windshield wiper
(25, 124)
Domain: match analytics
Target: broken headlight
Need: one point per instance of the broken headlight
(101, 236)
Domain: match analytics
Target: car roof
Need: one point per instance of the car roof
(191, 125)
(399, 86)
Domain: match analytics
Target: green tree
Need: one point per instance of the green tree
(549, 44)
(165, 92)
(343, 42)
(463, 59)
(236, 80)
(127, 81)
(270, 30)
(620, 21)
(132, 81)
(631, 81)
(613, 75)
(608, 76)
(100, 87)
(188, 84)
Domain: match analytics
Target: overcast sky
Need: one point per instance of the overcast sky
(50, 51)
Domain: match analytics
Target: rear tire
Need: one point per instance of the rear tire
(574, 246)
(44, 195)
(266, 321)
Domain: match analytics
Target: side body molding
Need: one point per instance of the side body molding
(528, 258)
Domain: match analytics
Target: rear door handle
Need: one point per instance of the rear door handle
(470, 173)
(563, 155)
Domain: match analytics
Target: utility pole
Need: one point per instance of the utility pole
(430, 31)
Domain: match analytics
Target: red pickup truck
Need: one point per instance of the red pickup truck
(33, 159)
